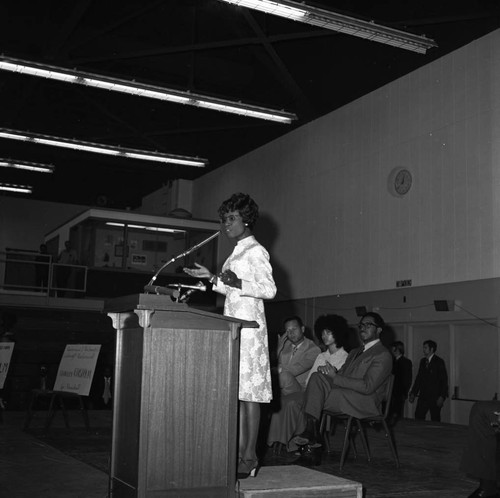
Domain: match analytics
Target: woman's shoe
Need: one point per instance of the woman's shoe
(247, 468)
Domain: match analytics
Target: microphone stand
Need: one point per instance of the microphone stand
(182, 255)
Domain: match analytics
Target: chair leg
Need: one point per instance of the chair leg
(363, 439)
(347, 437)
(388, 435)
(324, 430)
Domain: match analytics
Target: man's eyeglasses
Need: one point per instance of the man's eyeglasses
(230, 217)
(366, 325)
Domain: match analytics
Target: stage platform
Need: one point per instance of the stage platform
(293, 481)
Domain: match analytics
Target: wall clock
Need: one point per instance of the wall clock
(400, 181)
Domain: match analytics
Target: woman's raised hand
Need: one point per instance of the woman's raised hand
(199, 272)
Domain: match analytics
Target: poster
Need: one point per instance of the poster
(76, 369)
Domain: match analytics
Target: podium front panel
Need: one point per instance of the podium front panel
(190, 392)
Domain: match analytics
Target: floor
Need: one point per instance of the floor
(429, 455)
(66, 463)
(56, 465)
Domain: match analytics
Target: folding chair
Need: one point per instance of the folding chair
(329, 417)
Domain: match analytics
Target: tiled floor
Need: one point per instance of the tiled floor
(72, 463)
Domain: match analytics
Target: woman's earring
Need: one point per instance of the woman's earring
(246, 224)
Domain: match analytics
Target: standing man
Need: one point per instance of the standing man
(296, 356)
(357, 389)
(402, 371)
(431, 384)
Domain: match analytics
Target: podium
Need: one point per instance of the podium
(175, 399)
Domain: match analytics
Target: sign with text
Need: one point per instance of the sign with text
(6, 349)
(76, 369)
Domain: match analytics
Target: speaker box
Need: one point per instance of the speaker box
(444, 305)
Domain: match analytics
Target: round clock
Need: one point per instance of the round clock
(400, 181)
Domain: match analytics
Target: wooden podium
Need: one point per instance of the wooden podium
(175, 399)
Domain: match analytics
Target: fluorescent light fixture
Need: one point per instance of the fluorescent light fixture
(143, 90)
(338, 22)
(28, 166)
(142, 227)
(23, 189)
(110, 150)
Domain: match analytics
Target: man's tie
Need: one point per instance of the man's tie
(294, 350)
(359, 352)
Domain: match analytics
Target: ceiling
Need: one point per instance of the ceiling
(204, 46)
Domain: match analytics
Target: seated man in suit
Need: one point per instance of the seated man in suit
(296, 355)
(357, 389)
(479, 456)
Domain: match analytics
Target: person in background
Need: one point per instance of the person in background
(42, 268)
(65, 272)
(431, 384)
(403, 374)
(101, 391)
(295, 357)
(246, 280)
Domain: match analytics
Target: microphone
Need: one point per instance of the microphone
(199, 286)
(185, 296)
(183, 254)
(161, 290)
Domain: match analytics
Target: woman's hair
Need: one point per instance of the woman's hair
(244, 204)
(336, 324)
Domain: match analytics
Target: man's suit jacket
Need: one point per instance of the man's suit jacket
(362, 382)
(300, 363)
(431, 381)
(403, 374)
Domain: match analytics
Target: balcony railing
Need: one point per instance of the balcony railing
(31, 272)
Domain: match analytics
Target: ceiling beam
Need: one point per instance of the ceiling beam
(185, 131)
(62, 35)
(119, 21)
(298, 99)
(198, 47)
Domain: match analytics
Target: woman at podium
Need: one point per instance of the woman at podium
(246, 280)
